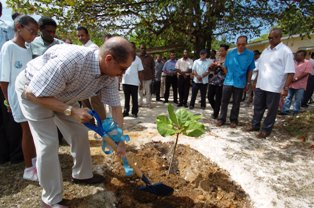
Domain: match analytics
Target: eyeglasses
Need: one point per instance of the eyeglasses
(31, 31)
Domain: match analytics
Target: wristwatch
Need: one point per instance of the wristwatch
(68, 111)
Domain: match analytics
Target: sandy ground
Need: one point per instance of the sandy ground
(274, 172)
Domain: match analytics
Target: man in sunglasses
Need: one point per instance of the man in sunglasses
(275, 73)
(48, 91)
(239, 64)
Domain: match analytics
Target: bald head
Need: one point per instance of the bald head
(119, 48)
(277, 31)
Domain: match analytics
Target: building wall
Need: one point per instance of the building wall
(294, 42)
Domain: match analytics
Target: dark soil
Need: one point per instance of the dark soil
(196, 181)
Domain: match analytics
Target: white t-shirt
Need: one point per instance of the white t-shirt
(90, 44)
(184, 65)
(130, 76)
(13, 60)
(273, 67)
(201, 67)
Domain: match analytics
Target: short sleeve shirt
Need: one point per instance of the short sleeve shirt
(130, 76)
(170, 67)
(238, 64)
(273, 67)
(39, 46)
(71, 73)
(301, 68)
(185, 65)
(200, 67)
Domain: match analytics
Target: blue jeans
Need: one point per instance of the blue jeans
(298, 93)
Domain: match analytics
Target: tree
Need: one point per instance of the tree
(192, 24)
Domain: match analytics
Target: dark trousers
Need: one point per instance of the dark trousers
(157, 89)
(265, 100)
(195, 88)
(227, 92)
(130, 90)
(10, 136)
(309, 90)
(171, 81)
(184, 88)
(214, 98)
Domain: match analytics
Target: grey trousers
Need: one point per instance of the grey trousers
(227, 92)
(43, 124)
(265, 100)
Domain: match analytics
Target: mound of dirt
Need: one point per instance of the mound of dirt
(196, 181)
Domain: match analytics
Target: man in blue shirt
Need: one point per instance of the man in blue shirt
(239, 64)
(171, 78)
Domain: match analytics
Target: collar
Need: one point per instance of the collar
(88, 43)
(277, 47)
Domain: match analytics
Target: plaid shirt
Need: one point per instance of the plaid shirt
(71, 73)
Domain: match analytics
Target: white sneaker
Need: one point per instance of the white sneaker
(30, 174)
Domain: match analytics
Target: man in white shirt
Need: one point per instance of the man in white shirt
(184, 69)
(130, 83)
(200, 81)
(93, 102)
(275, 73)
(84, 38)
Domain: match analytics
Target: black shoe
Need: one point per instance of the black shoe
(203, 108)
(214, 116)
(165, 101)
(179, 105)
(176, 102)
(134, 115)
(305, 105)
(125, 114)
(157, 99)
(283, 113)
(191, 107)
(94, 180)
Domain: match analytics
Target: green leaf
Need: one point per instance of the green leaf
(194, 129)
(172, 115)
(164, 126)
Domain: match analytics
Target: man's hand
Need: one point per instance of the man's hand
(121, 149)
(81, 115)
(284, 93)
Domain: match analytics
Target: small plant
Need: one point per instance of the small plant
(180, 122)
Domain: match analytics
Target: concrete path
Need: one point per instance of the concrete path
(276, 172)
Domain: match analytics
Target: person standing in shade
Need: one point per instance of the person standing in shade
(216, 79)
(239, 64)
(159, 64)
(275, 73)
(303, 69)
(14, 58)
(10, 131)
(130, 83)
(200, 71)
(252, 86)
(184, 69)
(171, 78)
(47, 38)
(147, 76)
(93, 102)
(310, 85)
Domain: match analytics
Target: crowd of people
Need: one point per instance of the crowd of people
(48, 85)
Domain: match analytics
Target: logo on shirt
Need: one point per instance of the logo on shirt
(18, 64)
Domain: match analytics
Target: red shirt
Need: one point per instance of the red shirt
(301, 68)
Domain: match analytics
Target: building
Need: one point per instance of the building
(294, 42)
